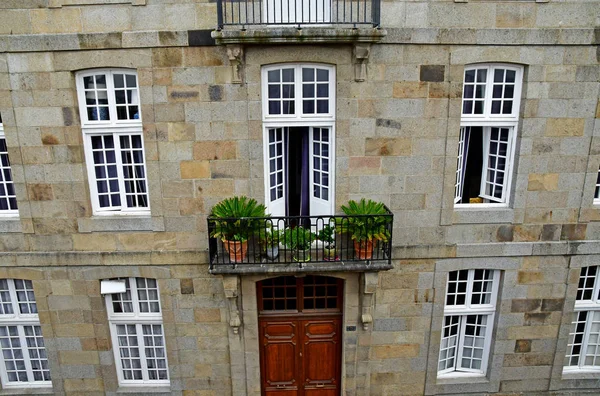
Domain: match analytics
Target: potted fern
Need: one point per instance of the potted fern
(299, 240)
(236, 219)
(270, 241)
(367, 221)
(327, 236)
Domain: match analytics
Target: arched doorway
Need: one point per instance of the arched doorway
(300, 327)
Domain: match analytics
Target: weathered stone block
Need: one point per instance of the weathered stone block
(432, 73)
(565, 127)
(528, 305)
(543, 182)
(573, 232)
(388, 147)
(195, 170)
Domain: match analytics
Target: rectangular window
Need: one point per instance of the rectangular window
(597, 190)
(302, 91)
(114, 145)
(490, 114)
(8, 198)
(24, 362)
(583, 348)
(137, 332)
(468, 322)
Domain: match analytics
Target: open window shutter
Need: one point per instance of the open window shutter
(276, 168)
(461, 163)
(496, 163)
(320, 171)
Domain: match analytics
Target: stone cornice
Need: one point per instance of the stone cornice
(152, 39)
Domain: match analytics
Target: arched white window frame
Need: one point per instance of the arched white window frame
(117, 128)
(300, 119)
(139, 319)
(5, 170)
(489, 121)
(15, 293)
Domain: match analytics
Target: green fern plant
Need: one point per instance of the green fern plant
(236, 218)
(366, 221)
(298, 238)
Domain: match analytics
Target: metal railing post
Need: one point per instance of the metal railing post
(220, 14)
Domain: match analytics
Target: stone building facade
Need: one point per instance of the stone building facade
(398, 123)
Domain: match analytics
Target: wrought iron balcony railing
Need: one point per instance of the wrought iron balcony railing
(247, 13)
(299, 240)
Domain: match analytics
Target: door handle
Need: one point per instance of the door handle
(300, 354)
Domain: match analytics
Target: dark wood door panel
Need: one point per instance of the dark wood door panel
(279, 364)
(321, 349)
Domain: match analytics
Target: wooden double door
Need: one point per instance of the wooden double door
(300, 325)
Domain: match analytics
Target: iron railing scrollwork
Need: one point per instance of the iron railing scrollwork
(275, 242)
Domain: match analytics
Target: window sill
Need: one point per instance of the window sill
(582, 374)
(461, 378)
(472, 214)
(10, 224)
(120, 223)
(143, 390)
(27, 391)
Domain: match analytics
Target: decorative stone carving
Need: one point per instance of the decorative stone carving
(231, 285)
(235, 53)
(361, 56)
(368, 284)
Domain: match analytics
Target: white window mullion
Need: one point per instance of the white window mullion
(25, 351)
(110, 86)
(586, 337)
(461, 342)
(120, 173)
(142, 351)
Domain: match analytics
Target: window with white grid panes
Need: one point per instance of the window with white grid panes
(8, 198)
(137, 332)
(583, 348)
(490, 116)
(114, 145)
(24, 362)
(597, 190)
(469, 310)
(320, 163)
(299, 122)
(298, 91)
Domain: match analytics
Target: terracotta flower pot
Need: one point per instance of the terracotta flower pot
(237, 250)
(364, 249)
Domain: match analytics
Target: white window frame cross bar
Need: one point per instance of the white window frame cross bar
(585, 332)
(15, 298)
(6, 172)
(136, 320)
(458, 317)
(597, 189)
(483, 92)
(129, 128)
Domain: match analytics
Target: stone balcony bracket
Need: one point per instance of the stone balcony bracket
(360, 38)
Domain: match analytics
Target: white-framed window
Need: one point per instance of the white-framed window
(24, 362)
(489, 120)
(583, 348)
(8, 198)
(111, 121)
(597, 190)
(299, 138)
(137, 332)
(304, 91)
(468, 322)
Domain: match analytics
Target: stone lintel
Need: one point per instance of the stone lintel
(289, 35)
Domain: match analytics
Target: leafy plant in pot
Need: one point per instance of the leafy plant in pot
(298, 240)
(270, 241)
(236, 219)
(366, 222)
(327, 236)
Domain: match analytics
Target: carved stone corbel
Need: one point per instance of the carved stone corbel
(361, 56)
(235, 53)
(368, 283)
(231, 285)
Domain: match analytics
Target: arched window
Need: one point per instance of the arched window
(111, 121)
